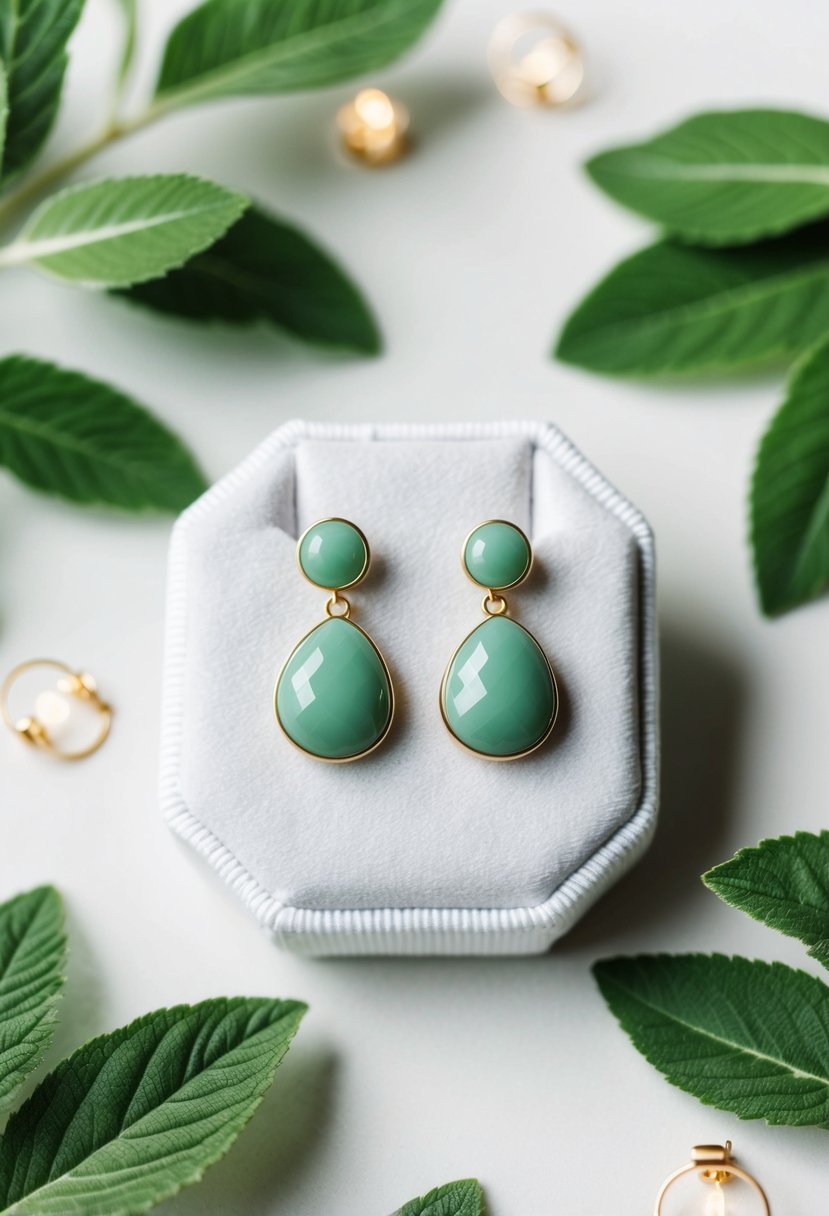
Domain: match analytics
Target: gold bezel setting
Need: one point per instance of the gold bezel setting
(488, 755)
(356, 755)
(334, 519)
(508, 524)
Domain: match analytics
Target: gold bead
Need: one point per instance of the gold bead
(373, 127)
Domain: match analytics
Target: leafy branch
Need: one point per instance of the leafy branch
(741, 278)
(742, 1035)
(132, 1116)
(174, 243)
(237, 48)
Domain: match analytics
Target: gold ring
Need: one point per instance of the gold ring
(74, 683)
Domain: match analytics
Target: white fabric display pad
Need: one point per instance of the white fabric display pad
(420, 847)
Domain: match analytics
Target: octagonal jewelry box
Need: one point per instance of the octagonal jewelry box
(421, 847)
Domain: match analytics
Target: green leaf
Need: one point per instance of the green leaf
(134, 1116)
(129, 10)
(747, 1037)
(4, 108)
(463, 1198)
(671, 309)
(123, 230)
(234, 48)
(32, 957)
(62, 432)
(785, 884)
(790, 492)
(264, 269)
(33, 37)
(724, 177)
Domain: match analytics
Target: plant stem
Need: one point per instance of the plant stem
(116, 130)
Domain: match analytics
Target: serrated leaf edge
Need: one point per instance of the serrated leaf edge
(296, 45)
(797, 368)
(24, 252)
(92, 381)
(670, 1077)
(46, 1024)
(818, 950)
(436, 1192)
(293, 1007)
(815, 271)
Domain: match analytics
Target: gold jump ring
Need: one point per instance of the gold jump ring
(331, 605)
(494, 605)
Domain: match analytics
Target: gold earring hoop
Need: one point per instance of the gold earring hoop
(35, 728)
(716, 1167)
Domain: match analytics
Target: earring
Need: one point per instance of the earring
(334, 697)
(52, 709)
(715, 1166)
(498, 696)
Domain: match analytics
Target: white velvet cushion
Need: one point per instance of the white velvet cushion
(327, 854)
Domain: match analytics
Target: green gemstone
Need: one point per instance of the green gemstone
(333, 696)
(497, 555)
(333, 554)
(499, 696)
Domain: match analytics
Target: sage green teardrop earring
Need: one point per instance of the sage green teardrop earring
(499, 697)
(334, 697)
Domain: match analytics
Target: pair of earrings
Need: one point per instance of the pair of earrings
(334, 696)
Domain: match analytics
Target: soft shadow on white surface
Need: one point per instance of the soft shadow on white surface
(703, 698)
(84, 994)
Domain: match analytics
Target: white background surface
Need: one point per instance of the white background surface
(408, 1073)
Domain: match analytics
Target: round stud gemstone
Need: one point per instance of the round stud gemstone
(333, 554)
(497, 555)
(333, 697)
(499, 696)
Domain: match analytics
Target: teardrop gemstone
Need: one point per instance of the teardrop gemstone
(333, 697)
(499, 695)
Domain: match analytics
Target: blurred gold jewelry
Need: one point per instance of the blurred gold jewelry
(373, 127)
(51, 708)
(535, 60)
(715, 1166)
